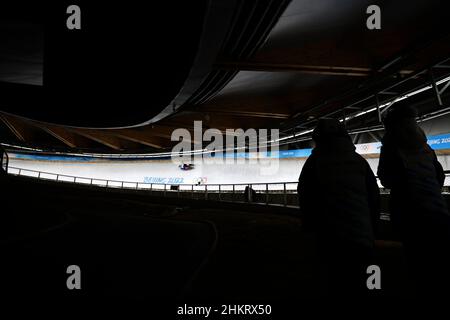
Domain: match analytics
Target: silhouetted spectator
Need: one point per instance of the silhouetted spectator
(409, 167)
(250, 194)
(3, 161)
(339, 200)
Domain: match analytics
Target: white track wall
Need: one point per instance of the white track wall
(164, 171)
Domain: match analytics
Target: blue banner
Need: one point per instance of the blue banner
(439, 142)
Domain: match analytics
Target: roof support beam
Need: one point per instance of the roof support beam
(13, 127)
(151, 138)
(274, 67)
(277, 67)
(108, 141)
(435, 89)
(61, 135)
(140, 140)
(251, 114)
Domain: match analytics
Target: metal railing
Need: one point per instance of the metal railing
(269, 193)
(265, 192)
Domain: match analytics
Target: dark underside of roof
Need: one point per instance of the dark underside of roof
(132, 75)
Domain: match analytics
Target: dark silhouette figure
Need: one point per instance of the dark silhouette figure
(3, 161)
(409, 167)
(339, 200)
(250, 194)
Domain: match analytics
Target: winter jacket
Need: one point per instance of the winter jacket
(409, 167)
(338, 193)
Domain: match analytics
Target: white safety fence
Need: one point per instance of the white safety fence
(283, 188)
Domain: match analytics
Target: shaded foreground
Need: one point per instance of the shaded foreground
(132, 248)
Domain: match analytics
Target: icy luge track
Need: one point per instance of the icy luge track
(266, 191)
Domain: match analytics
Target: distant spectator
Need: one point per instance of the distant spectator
(250, 194)
(409, 167)
(339, 201)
